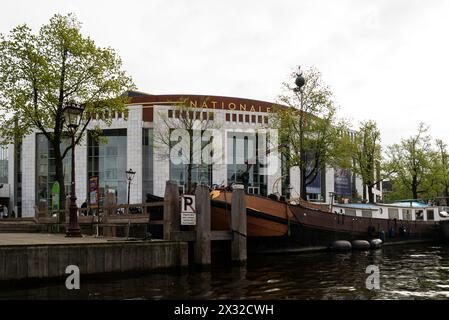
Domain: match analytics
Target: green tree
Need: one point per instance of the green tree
(367, 156)
(411, 160)
(438, 182)
(41, 73)
(309, 127)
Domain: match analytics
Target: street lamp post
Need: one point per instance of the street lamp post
(300, 82)
(72, 114)
(129, 176)
(331, 195)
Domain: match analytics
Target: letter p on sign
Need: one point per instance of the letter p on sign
(188, 210)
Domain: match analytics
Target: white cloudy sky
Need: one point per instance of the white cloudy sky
(386, 60)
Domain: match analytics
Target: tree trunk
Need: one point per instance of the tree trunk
(303, 190)
(415, 187)
(368, 189)
(189, 178)
(370, 194)
(354, 191)
(446, 194)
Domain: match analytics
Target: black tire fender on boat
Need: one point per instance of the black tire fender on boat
(375, 243)
(360, 245)
(341, 245)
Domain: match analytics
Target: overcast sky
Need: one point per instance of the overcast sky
(386, 60)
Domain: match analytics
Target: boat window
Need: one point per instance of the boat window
(393, 213)
(419, 214)
(367, 213)
(253, 190)
(430, 215)
(350, 212)
(407, 214)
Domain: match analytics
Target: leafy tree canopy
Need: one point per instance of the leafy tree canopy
(40, 73)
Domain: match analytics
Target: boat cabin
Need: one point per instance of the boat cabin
(410, 211)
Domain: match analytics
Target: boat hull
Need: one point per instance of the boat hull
(276, 224)
(320, 228)
(444, 226)
(265, 217)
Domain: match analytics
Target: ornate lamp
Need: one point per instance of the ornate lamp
(300, 81)
(72, 114)
(129, 176)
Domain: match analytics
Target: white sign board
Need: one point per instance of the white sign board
(188, 219)
(188, 210)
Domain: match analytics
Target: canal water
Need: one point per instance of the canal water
(406, 272)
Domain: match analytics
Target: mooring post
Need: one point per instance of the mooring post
(238, 224)
(202, 251)
(172, 215)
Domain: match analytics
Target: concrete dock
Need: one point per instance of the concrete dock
(38, 255)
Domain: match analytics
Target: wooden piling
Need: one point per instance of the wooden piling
(202, 247)
(238, 224)
(172, 216)
(202, 236)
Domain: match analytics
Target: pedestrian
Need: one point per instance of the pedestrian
(84, 206)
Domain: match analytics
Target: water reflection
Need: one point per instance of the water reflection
(418, 272)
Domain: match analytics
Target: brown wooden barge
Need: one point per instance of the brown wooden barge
(274, 223)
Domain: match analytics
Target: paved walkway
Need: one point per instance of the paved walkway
(20, 239)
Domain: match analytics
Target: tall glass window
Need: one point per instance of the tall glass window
(147, 159)
(46, 169)
(107, 160)
(241, 154)
(3, 164)
(201, 173)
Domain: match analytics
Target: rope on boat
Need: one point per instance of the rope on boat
(239, 233)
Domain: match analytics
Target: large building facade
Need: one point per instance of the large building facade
(27, 170)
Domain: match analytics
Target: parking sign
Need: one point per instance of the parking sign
(188, 210)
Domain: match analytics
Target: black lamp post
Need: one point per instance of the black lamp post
(331, 195)
(129, 176)
(300, 82)
(73, 114)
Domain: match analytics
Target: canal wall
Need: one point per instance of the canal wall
(22, 262)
